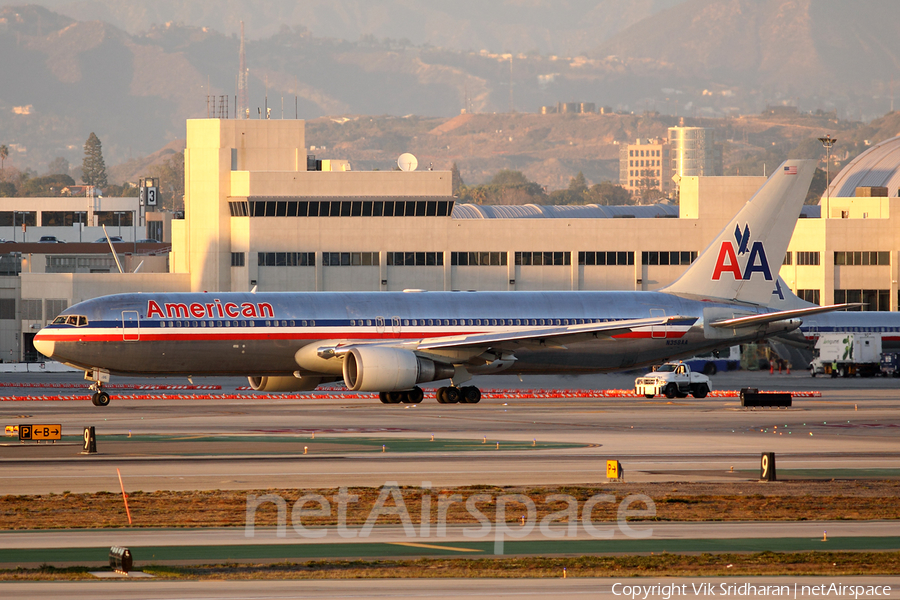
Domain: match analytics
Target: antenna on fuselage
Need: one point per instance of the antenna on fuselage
(113, 250)
(253, 291)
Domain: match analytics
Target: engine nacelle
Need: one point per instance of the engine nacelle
(377, 369)
(284, 384)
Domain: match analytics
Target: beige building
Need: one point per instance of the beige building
(645, 165)
(256, 216)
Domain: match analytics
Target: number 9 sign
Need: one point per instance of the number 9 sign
(767, 467)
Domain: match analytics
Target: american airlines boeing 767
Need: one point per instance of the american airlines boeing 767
(390, 342)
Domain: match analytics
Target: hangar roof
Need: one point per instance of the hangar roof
(877, 166)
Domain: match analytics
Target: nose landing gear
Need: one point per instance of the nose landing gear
(98, 377)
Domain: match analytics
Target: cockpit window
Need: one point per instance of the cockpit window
(76, 320)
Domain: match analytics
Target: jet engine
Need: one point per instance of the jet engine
(284, 384)
(377, 369)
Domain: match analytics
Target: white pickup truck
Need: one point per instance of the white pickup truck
(675, 380)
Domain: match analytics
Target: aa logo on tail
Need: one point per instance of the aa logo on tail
(755, 262)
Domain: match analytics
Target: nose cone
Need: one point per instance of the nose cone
(43, 345)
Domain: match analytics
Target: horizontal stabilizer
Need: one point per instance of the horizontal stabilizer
(782, 315)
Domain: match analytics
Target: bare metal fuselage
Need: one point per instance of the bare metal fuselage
(259, 334)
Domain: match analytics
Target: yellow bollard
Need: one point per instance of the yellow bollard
(825, 536)
(305, 448)
(498, 445)
(382, 447)
(313, 435)
(564, 573)
(534, 442)
(432, 437)
(484, 441)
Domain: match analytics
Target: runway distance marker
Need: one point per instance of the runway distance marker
(33, 432)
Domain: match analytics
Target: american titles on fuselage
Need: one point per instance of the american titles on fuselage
(209, 310)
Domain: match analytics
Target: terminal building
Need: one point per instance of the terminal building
(259, 213)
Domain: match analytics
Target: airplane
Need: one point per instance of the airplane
(390, 342)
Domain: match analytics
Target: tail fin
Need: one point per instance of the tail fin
(784, 299)
(742, 263)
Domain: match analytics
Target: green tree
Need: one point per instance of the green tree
(93, 169)
(607, 193)
(578, 184)
(58, 166)
(171, 182)
(7, 189)
(456, 179)
(4, 154)
(46, 186)
(507, 177)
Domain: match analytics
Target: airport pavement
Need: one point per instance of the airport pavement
(850, 431)
(437, 589)
(240, 536)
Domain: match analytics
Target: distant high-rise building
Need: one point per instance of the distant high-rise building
(645, 165)
(243, 100)
(694, 152)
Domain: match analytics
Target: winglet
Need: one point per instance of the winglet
(742, 263)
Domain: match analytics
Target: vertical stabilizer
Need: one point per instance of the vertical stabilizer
(742, 263)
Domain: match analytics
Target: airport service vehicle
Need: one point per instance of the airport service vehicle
(846, 354)
(675, 380)
(710, 363)
(890, 364)
(390, 342)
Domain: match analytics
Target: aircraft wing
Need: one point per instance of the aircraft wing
(781, 315)
(553, 333)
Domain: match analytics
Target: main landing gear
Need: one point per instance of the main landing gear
(463, 395)
(445, 395)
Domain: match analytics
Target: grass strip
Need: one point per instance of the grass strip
(657, 565)
(737, 501)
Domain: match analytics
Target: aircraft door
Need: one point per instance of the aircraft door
(658, 331)
(131, 326)
(811, 330)
(395, 327)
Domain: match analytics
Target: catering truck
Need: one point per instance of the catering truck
(847, 354)
(674, 380)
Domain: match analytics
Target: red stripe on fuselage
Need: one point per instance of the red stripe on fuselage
(228, 336)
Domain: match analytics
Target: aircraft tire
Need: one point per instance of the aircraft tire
(102, 399)
(94, 399)
(414, 396)
(452, 395)
(440, 395)
(470, 395)
(648, 395)
(710, 369)
(383, 397)
(671, 391)
(701, 390)
(395, 397)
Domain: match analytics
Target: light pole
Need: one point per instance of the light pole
(828, 142)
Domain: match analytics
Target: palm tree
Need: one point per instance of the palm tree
(4, 153)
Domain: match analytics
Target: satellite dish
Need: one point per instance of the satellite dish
(407, 162)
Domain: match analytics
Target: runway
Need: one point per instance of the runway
(431, 589)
